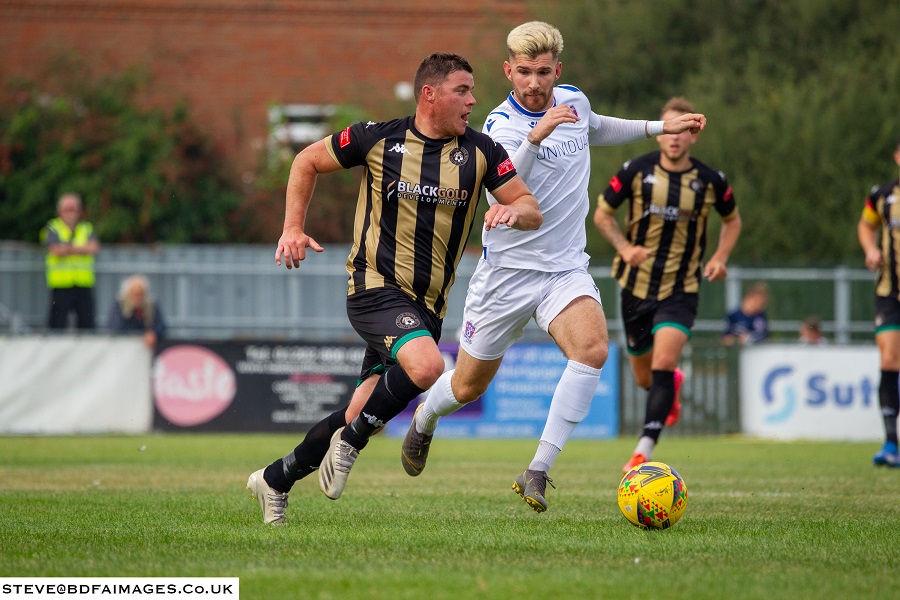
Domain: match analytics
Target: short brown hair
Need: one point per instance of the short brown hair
(436, 67)
(678, 104)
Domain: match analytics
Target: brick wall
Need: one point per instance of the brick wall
(231, 59)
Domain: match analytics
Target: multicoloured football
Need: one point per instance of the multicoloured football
(652, 496)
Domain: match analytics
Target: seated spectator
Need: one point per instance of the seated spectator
(748, 323)
(135, 311)
(811, 332)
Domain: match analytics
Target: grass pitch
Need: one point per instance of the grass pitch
(764, 520)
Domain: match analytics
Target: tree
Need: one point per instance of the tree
(146, 175)
(800, 96)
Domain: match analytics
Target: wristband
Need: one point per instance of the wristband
(652, 128)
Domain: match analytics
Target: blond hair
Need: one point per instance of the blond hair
(533, 39)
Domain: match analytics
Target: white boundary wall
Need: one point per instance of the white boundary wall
(793, 392)
(72, 384)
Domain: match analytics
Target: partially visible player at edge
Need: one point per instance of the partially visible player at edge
(882, 212)
(658, 262)
(548, 130)
(421, 183)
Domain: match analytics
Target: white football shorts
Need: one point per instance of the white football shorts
(500, 301)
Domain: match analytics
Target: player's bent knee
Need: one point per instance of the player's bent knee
(425, 372)
(592, 353)
(467, 391)
(471, 394)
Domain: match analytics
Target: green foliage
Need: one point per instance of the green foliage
(146, 175)
(800, 97)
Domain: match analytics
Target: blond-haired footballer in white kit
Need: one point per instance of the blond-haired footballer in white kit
(538, 274)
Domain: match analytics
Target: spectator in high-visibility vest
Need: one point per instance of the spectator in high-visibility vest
(71, 245)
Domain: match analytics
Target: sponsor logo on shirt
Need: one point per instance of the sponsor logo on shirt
(344, 140)
(671, 213)
(399, 148)
(564, 148)
(616, 184)
(505, 167)
(407, 190)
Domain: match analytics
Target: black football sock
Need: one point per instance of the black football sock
(282, 474)
(889, 398)
(393, 392)
(659, 403)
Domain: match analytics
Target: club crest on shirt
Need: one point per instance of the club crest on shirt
(407, 321)
(459, 156)
(698, 185)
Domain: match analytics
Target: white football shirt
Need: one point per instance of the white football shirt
(558, 179)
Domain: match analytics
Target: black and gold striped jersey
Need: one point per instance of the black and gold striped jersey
(416, 204)
(668, 214)
(882, 209)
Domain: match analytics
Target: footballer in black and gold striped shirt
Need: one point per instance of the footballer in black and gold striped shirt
(659, 258)
(667, 214)
(882, 212)
(416, 204)
(422, 178)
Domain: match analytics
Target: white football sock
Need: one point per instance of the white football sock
(544, 457)
(439, 403)
(645, 446)
(570, 404)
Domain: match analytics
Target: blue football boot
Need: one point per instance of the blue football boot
(888, 455)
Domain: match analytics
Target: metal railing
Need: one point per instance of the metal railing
(235, 292)
(710, 396)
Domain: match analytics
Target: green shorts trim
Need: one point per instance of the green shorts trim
(409, 336)
(684, 329)
(886, 328)
(641, 352)
(376, 370)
